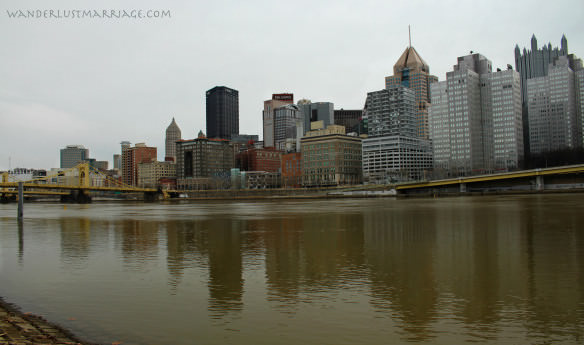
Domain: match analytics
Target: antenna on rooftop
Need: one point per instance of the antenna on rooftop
(410, 36)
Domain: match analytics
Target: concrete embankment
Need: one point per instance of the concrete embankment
(18, 328)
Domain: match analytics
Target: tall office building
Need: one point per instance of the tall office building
(502, 119)
(278, 100)
(286, 120)
(117, 161)
(553, 107)
(535, 62)
(351, 119)
(393, 151)
(412, 71)
(579, 80)
(319, 111)
(72, 155)
(475, 119)
(173, 135)
(222, 112)
(531, 64)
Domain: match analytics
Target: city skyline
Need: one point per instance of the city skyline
(98, 82)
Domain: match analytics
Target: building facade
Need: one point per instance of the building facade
(319, 111)
(131, 157)
(555, 122)
(201, 159)
(502, 119)
(292, 169)
(117, 161)
(266, 159)
(331, 158)
(413, 72)
(531, 64)
(222, 112)
(287, 119)
(475, 119)
(277, 101)
(72, 155)
(579, 81)
(393, 150)
(173, 134)
(150, 174)
(351, 119)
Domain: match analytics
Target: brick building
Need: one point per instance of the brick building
(254, 159)
(131, 157)
(292, 169)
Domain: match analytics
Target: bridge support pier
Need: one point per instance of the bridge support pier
(78, 196)
(150, 196)
(7, 198)
(20, 200)
(462, 187)
(539, 185)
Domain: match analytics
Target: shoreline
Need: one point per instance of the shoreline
(318, 196)
(17, 327)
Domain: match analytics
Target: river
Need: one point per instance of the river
(492, 269)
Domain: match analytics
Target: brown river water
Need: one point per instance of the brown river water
(488, 270)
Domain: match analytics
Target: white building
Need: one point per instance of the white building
(393, 150)
(475, 119)
(503, 127)
(552, 107)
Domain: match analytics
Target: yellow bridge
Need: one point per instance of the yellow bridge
(535, 178)
(75, 183)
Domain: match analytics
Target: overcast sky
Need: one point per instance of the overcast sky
(97, 82)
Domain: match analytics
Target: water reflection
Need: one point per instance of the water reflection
(474, 268)
(20, 241)
(75, 241)
(401, 247)
(139, 243)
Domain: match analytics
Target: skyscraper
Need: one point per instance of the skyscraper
(351, 119)
(413, 72)
(286, 120)
(531, 64)
(72, 155)
(173, 135)
(555, 120)
(393, 151)
(475, 119)
(319, 111)
(278, 100)
(222, 112)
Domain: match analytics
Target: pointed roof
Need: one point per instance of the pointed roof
(173, 126)
(412, 60)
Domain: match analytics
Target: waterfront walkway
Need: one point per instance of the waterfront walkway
(17, 328)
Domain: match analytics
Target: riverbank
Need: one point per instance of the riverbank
(18, 328)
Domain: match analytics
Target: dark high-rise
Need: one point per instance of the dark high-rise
(222, 112)
(531, 64)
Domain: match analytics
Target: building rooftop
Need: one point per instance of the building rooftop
(412, 60)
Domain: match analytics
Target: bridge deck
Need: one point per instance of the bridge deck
(73, 187)
(494, 177)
